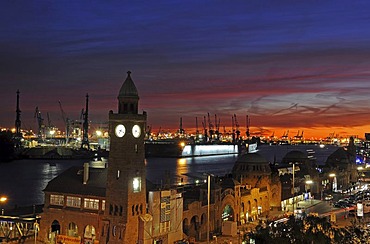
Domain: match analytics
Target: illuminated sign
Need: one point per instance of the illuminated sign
(68, 239)
(360, 210)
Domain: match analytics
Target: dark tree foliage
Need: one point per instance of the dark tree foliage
(309, 230)
(6, 146)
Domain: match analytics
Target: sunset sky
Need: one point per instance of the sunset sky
(289, 65)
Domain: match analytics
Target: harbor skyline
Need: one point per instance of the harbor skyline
(288, 66)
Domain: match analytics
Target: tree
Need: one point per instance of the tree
(308, 230)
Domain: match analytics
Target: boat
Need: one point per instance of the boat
(182, 148)
(56, 152)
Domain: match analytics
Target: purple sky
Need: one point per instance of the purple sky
(297, 65)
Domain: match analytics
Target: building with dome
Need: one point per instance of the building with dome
(342, 164)
(248, 194)
(260, 186)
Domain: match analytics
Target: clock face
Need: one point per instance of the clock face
(136, 131)
(120, 130)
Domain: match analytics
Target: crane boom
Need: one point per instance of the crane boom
(40, 122)
(66, 121)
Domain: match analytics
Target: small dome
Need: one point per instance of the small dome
(128, 88)
(339, 156)
(251, 163)
(295, 156)
(251, 158)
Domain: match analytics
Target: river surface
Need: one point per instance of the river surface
(23, 181)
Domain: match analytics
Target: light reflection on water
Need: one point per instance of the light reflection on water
(23, 181)
(187, 170)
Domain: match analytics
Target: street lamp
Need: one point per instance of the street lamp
(309, 182)
(293, 190)
(208, 202)
(3, 199)
(333, 186)
(361, 175)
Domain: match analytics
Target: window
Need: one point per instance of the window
(103, 205)
(57, 200)
(74, 202)
(72, 230)
(164, 227)
(165, 209)
(91, 203)
(136, 184)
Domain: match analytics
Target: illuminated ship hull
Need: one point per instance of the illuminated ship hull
(176, 149)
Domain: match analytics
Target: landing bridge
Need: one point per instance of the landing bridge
(18, 229)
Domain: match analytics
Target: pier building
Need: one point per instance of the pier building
(117, 204)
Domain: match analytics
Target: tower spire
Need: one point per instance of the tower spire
(128, 97)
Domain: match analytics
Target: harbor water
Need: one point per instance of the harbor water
(23, 181)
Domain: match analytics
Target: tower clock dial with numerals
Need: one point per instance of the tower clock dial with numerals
(120, 130)
(136, 131)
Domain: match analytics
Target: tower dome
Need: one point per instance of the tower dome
(128, 89)
(252, 166)
(128, 97)
(295, 156)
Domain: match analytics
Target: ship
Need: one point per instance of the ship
(209, 143)
(183, 148)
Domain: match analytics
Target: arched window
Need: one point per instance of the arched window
(72, 229)
(89, 234)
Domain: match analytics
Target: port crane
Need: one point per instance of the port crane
(196, 128)
(18, 134)
(217, 128)
(248, 123)
(49, 120)
(66, 122)
(85, 138)
(285, 137)
(205, 130)
(181, 129)
(237, 131)
(299, 136)
(210, 128)
(40, 123)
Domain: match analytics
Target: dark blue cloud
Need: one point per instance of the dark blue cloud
(187, 57)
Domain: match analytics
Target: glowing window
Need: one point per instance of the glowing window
(136, 184)
(57, 200)
(91, 203)
(74, 202)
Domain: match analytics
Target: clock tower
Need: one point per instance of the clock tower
(126, 188)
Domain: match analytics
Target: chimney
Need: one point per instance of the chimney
(86, 173)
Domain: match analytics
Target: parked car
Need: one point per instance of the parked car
(328, 197)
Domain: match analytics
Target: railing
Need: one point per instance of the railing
(17, 228)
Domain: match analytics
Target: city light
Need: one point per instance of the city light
(3, 199)
(99, 133)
